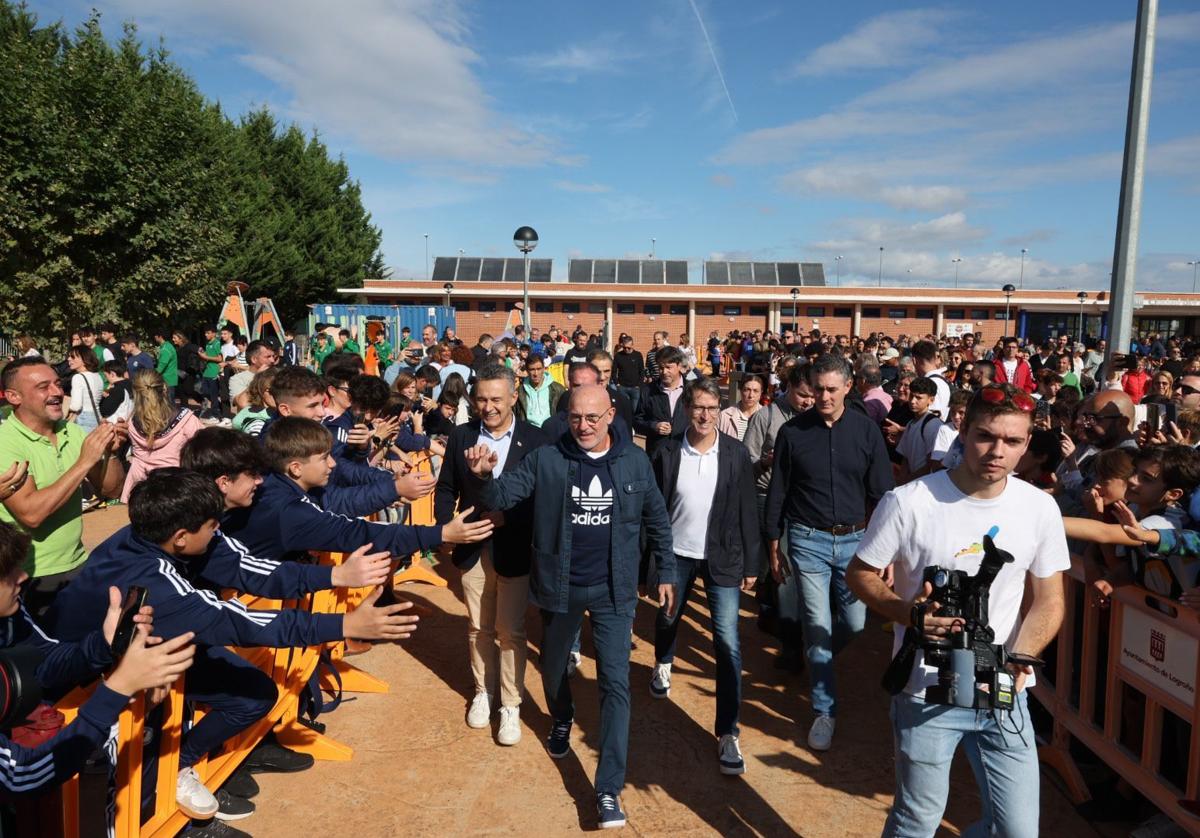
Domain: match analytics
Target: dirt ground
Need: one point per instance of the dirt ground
(419, 770)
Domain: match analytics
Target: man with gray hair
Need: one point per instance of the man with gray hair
(870, 386)
(831, 467)
(495, 573)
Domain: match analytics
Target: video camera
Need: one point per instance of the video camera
(971, 666)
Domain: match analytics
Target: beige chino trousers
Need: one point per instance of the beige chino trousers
(496, 629)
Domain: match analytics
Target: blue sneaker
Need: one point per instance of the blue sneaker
(611, 816)
(559, 741)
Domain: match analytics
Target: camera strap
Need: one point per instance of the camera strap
(896, 676)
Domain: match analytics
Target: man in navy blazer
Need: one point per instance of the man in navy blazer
(495, 573)
(707, 481)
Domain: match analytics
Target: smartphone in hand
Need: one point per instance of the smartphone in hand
(123, 636)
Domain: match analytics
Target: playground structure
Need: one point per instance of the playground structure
(260, 323)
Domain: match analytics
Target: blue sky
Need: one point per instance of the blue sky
(771, 131)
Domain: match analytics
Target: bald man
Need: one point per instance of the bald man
(595, 494)
(1106, 421)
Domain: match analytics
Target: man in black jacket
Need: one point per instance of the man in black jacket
(660, 412)
(707, 481)
(629, 370)
(495, 573)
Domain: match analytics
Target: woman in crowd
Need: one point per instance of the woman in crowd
(158, 429)
(1161, 388)
(87, 387)
(734, 419)
(251, 418)
(27, 347)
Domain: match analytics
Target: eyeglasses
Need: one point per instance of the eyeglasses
(714, 409)
(995, 394)
(590, 419)
(1093, 418)
(1186, 390)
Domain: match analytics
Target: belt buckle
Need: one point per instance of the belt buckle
(841, 529)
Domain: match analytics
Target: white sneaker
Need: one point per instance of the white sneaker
(510, 726)
(573, 661)
(480, 712)
(192, 797)
(820, 735)
(660, 684)
(729, 754)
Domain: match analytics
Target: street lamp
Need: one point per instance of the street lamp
(449, 287)
(526, 239)
(652, 241)
(1024, 250)
(837, 261)
(880, 266)
(1008, 290)
(957, 260)
(1082, 297)
(795, 324)
(1194, 265)
(426, 256)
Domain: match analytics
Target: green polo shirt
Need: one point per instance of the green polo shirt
(383, 351)
(168, 363)
(211, 368)
(58, 543)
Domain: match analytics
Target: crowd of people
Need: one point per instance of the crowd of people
(821, 475)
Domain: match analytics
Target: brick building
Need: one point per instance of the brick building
(641, 309)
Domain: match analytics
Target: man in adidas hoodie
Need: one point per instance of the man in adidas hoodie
(595, 492)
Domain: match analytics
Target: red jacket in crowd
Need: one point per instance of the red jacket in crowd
(1023, 377)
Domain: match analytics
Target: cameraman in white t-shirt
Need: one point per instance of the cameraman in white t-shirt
(942, 519)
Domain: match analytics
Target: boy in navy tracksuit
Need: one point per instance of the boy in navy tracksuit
(63, 666)
(174, 515)
(288, 519)
(357, 489)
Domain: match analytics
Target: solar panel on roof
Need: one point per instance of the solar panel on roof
(740, 273)
(789, 273)
(813, 272)
(716, 273)
(468, 269)
(677, 273)
(579, 270)
(628, 271)
(604, 270)
(652, 272)
(514, 270)
(764, 273)
(539, 270)
(443, 268)
(492, 270)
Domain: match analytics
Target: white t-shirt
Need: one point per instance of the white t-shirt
(1010, 369)
(930, 522)
(917, 441)
(941, 401)
(695, 488)
(946, 437)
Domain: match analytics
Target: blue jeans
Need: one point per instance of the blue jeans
(634, 394)
(723, 604)
(819, 561)
(610, 635)
(1005, 765)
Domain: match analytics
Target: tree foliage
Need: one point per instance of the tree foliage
(125, 195)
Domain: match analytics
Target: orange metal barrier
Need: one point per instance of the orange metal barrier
(1152, 662)
(421, 515)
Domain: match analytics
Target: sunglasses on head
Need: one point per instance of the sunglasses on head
(995, 394)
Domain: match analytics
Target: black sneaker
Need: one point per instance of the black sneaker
(609, 808)
(241, 784)
(215, 829)
(559, 741)
(230, 807)
(272, 758)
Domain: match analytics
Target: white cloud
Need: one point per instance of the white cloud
(397, 78)
(894, 39)
(864, 183)
(927, 198)
(573, 186)
(569, 62)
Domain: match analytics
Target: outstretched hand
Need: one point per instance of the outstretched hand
(481, 460)
(362, 569)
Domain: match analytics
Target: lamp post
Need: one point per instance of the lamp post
(1082, 296)
(426, 256)
(1008, 290)
(1194, 265)
(449, 287)
(880, 266)
(795, 326)
(957, 260)
(526, 239)
(837, 261)
(1021, 280)
(652, 243)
